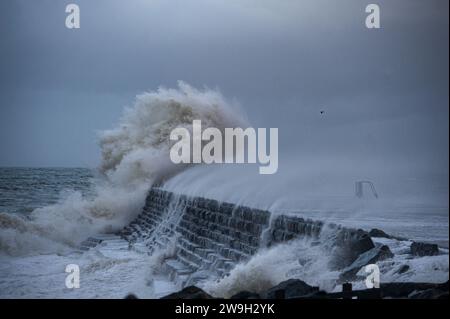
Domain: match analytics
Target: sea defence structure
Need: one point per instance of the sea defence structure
(208, 238)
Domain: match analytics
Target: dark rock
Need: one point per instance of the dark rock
(428, 294)
(378, 233)
(245, 295)
(190, 292)
(378, 253)
(409, 289)
(424, 249)
(349, 245)
(292, 288)
(403, 269)
(374, 232)
(131, 296)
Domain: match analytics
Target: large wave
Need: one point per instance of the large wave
(137, 150)
(135, 155)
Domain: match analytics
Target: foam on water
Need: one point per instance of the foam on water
(299, 260)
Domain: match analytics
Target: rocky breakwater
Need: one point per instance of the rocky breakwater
(298, 289)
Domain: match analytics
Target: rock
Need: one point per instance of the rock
(131, 296)
(424, 249)
(403, 269)
(245, 295)
(190, 292)
(292, 288)
(374, 232)
(411, 289)
(428, 294)
(349, 245)
(378, 253)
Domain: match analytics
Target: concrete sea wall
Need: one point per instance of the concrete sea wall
(208, 237)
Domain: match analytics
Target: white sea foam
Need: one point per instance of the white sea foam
(269, 267)
(135, 155)
(298, 259)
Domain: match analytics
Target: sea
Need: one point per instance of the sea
(36, 204)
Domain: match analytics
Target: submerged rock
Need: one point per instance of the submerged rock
(424, 249)
(191, 292)
(403, 269)
(292, 288)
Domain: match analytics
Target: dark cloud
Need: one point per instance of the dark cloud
(384, 92)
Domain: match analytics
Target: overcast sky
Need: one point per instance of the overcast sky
(384, 92)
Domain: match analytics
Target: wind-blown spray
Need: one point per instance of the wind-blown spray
(135, 155)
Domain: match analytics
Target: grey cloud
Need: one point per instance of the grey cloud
(384, 92)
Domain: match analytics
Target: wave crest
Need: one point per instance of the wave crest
(135, 155)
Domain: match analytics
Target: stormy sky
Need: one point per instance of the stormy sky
(384, 92)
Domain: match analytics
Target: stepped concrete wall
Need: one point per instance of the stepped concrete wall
(208, 236)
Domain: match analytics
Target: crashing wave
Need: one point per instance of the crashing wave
(135, 155)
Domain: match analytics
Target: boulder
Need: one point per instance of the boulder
(374, 232)
(424, 249)
(379, 253)
(191, 292)
(292, 288)
(349, 245)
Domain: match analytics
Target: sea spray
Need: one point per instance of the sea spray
(138, 149)
(295, 259)
(135, 155)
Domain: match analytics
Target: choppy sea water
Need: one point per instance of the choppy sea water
(22, 190)
(113, 273)
(104, 274)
